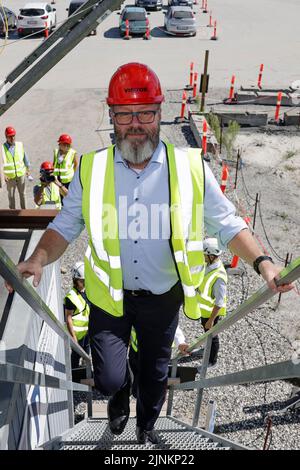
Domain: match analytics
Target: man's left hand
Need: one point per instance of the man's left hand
(209, 324)
(269, 272)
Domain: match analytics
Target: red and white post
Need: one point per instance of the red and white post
(127, 35)
(210, 24)
(224, 177)
(231, 91)
(204, 138)
(214, 36)
(261, 69)
(46, 30)
(190, 85)
(195, 86)
(278, 104)
(205, 6)
(147, 34)
(183, 104)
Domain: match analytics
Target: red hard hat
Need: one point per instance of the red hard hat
(134, 83)
(47, 166)
(10, 131)
(65, 139)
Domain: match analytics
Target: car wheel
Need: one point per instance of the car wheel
(20, 34)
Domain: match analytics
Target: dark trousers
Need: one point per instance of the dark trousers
(215, 345)
(155, 318)
(85, 344)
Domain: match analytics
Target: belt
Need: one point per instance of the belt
(138, 293)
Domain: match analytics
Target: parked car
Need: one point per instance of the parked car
(74, 5)
(33, 16)
(7, 18)
(150, 4)
(180, 21)
(137, 18)
(175, 3)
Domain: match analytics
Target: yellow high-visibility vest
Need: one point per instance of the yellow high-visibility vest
(80, 317)
(205, 292)
(64, 170)
(13, 165)
(103, 271)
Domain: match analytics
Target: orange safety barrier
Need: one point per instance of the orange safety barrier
(214, 36)
(204, 138)
(224, 177)
(147, 35)
(234, 261)
(183, 104)
(278, 104)
(231, 88)
(46, 30)
(261, 68)
(195, 85)
(127, 35)
(210, 20)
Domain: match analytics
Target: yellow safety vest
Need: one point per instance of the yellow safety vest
(205, 292)
(103, 272)
(80, 317)
(13, 166)
(51, 194)
(64, 170)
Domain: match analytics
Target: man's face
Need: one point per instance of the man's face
(64, 148)
(136, 140)
(11, 139)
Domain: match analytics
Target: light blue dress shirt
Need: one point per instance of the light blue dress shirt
(147, 262)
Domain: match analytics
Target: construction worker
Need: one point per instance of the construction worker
(212, 293)
(50, 189)
(65, 160)
(143, 203)
(15, 168)
(77, 312)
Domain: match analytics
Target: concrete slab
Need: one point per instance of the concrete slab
(244, 118)
(196, 124)
(292, 117)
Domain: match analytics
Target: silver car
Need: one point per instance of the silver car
(180, 21)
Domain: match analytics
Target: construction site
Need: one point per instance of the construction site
(231, 90)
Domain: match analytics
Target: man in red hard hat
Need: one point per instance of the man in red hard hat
(50, 190)
(65, 160)
(15, 168)
(144, 203)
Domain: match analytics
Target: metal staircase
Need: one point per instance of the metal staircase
(94, 434)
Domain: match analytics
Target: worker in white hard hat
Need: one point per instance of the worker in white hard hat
(212, 293)
(77, 310)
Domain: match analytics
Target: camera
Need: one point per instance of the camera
(47, 176)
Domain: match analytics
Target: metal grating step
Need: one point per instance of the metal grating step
(94, 434)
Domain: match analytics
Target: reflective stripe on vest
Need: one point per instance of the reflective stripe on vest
(205, 295)
(103, 272)
(65, 169)
(51, 194)
(133, 340)
(13, 166)
(80, 318)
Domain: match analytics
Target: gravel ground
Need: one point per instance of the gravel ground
(268, 333)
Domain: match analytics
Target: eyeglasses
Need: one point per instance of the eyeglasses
(143, 117)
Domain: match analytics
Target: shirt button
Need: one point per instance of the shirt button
(136, 277)
(135, 261)
(135, 241)
(136, 199)
(137, 177)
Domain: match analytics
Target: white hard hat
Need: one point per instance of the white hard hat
(78, 270)
(211, 247)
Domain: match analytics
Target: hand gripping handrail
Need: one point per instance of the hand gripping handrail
(10, 273)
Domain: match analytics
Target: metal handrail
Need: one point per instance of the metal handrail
(288, 274)
(265, 373)
(10, 273)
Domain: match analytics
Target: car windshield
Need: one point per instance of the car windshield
(134, 16)
(74, 6)
(32, 12)
(182, 14)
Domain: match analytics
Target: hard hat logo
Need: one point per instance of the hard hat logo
(132, 84)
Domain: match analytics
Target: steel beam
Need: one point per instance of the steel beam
(26, 218)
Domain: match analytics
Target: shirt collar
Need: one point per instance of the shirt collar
(157, 157)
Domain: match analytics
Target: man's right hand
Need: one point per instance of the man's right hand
(31, 267)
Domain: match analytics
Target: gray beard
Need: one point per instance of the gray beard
(134, 152)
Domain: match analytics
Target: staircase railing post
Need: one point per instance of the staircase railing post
(171, 391)
(203, 370)
(67, 347)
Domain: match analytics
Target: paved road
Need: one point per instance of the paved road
(250, 33)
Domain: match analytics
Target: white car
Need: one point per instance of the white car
(34, 17)
(180, 21)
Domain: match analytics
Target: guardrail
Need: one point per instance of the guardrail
(12, 373)
(270, 372)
